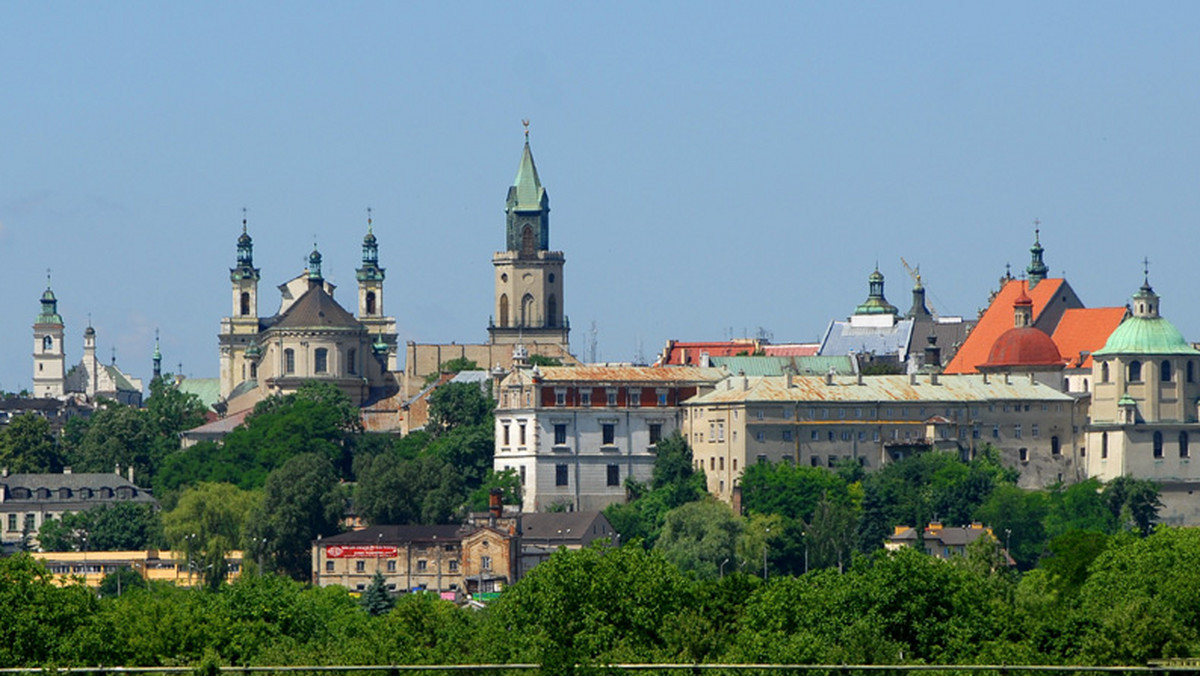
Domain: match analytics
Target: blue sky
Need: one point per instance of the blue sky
(712, 167)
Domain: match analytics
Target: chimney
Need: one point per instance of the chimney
(1006, 380)
(912, 379)
(860, 378)
(117, 471)
(790, 380)
(933, 353)
(985, 377)
(3, 471)
(745, 383)
(829, 378)
(130, 473)
(495, 507)
(933, 379)
(67, 469)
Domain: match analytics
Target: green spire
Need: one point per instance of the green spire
(370, 270)
(529, 187)
(49, 314)
(876, 304)
(314, 265)
(1037, 267)
(527, 207)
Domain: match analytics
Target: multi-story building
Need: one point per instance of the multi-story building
(575, 434)
(449, 560)
(29, 500)
(152, 565)
(1145, 389)
(873, 420)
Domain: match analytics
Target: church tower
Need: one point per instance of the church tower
(529, 279)
(370, 297)
(49, 374)
(239, 330)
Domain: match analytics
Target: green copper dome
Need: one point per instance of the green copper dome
(1146, 335)
(876, 304)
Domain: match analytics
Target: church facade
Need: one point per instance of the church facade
(311, 337)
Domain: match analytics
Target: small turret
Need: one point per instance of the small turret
(1037, 267)
(157, 359)
(314, 268)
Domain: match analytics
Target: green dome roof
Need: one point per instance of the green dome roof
(1146, 335)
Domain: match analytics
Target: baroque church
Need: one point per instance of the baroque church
(86, 381)
(310, 337)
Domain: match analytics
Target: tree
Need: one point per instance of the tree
(121, 581)
(301, 501)
(118, 436)
(674, 482)
(207, 523)
(830, 533)
(1133, 503)
(791, 491)
(543, 360)
(375, 599)
(1079, 507)
(699, 536)
(455, 405)
(393, 490)
(1016, 517)
(117, 526)
(507, 481)
(172, 412)
(27, 445)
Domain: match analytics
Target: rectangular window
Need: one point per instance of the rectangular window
(758, 414)
(787, 435)
(560, 434)
(635, 398)
(560, 397)
(720, 431)
(485, 562)
(422, 565)
(614, 475)
(453, 566)
(995, 431)
(1034, 430)
(560, 475)
(760, 458)
(721, 463)
(321, 360)
(30, 524)
(760, 436)
(655, 433)
(521, 470)
(507, 440)
(845, 435)
(289, 361)
(360, 566)
(815, 461)
(1024, 453)
(521, 434)
(816, 436)
(12, 521)
(1016, 431)
(585, 398)
(662, 398)
(391, 566)
(329, 566)
(712, 463)
(712, 431)
(831, 435)
(832, 460)
(608, 433)
(612, 397)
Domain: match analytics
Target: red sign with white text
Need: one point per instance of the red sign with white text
(360, 552)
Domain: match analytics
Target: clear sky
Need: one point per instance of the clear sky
(712, 167)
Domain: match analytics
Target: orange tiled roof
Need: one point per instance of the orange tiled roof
(792, 350)
(1085, 330)
(997, 319)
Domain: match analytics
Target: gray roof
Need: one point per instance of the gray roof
(316, 309)
(816, 365)
(842, 338)
(564, 526)
(75, 483)
(397, 534)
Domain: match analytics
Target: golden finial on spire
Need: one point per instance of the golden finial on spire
(525, 122)
(368, 220)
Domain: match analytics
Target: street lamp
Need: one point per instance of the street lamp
(804, 534)
(723, 567)
(1008, 542)
(765, 545)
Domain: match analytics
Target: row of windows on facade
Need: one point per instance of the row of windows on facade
(891, 412)
(84, 569)
(716, 433)
(633, 398)
(1156, 445)
(320, 361)
(64, 493)
(717, 463)
(244, 304)
(608, 434)
(562, 475)
(485, 562)
(527, 309)
(1133, 371)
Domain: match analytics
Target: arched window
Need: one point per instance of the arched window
(289, 361)
(1183, 444)
(370, 302)
(351, 361)
(551, 311)
(527, 310)
(1103, 445)
(1158, 444)
(1055, 449)
(1104, 372)
(503, 310)
(1191, 371)
(245, 303)
(1165, 371)
(528, 242)
(1135, 371)
(253, 370)
(320, 360)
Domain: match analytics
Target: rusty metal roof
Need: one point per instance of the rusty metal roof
(959, 388)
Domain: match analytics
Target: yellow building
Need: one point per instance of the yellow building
(153, 565)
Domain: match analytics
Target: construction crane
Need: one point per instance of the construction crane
(915, 273)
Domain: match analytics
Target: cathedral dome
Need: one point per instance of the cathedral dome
(1027, 346)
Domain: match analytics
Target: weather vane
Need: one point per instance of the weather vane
(526, 123)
